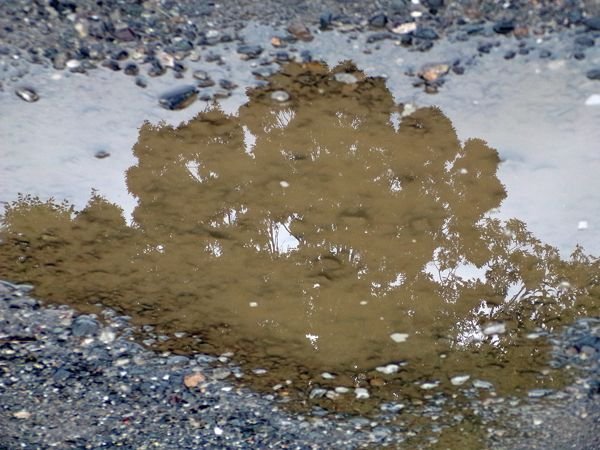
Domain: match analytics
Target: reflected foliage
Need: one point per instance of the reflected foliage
(308, 232)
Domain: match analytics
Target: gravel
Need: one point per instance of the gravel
(74, 381)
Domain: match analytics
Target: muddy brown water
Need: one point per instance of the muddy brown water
(335, 232)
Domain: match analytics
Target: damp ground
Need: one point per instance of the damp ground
(351, 248)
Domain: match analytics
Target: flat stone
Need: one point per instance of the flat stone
(179, 98)
(84, 326)
(593, 74)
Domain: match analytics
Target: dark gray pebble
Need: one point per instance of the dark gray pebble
(141, 82)
(545, 53)
(226, 84)
(111, 64)
(156, 69)
(101, 154)
(504, 26)
(206, 83)
(584, 41)
(378, 20)
(593, 23)
(131, 69)
(179, 98)
(593, 74)
(425, 33)
(510, 54)
(201, 75)
(250, 51)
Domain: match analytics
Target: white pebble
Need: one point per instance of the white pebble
(218, 431)
(399, 337)
(429, 385)
(494, 328)
(327, 376)
(253, 304)
(389, 369)
(284, 184)
(459, 379)
(582, 225)
(593, 100)
(361, 393)
(342, 390)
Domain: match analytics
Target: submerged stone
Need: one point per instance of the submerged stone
(179, 98)
(27, 94)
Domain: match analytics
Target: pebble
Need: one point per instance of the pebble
(593, 23)
(481, 384)
(425, 33)
(221, 373)
(593, 74)
(459, 379)
(433, 71)
(250, 51)
(346, 78)
(593, 100)
(300, 31)
(27, 94)
(226, 84)
(493, 328)
(179, 98)
(399, 337)
(389, 369)
(504, 26)
(280, 96)
(131, 69)
(85, 326)
(101, 154)
(361, 393)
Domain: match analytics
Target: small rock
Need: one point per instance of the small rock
(346, 78)
(317, 393)
(425, 33)
(399, 337)
(504, 26)
(201, 75)
(280, 96)
(429, 385)
(480, 384)
(250, 51)
(494, 328)
(131, 69)
(584, 41)
(389, 369)
(433, 71)
(378, 20)
(226, 84)
(179, 98)
(194, 379)
(342, 390)
(221, 373)
(593, 100)
(405, 28)
(27, 94)
(84, 326)
(510, 54)
(300, 31)
(593, 23)
(101, 154)
(593, 74)
(22, 415)
(141, 82)
(325, 20)
(327, 376)
(361, 393)
(111, 64)
(459, 379)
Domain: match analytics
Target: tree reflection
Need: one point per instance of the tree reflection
(306, 231)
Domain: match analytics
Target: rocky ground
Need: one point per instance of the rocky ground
(146, 39)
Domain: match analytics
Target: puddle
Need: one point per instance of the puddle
(335, 239)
